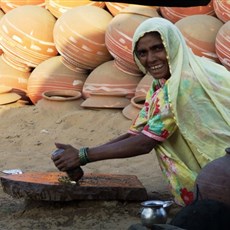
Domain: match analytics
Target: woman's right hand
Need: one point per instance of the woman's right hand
(68, 159)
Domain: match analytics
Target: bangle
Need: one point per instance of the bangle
(83, 156)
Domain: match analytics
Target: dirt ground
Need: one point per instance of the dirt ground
(28, 133)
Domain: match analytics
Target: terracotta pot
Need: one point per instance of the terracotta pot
(119, 34)
(5, 89)
(200, 34)
(223, 45)
(58, 7)
(174, 14)
(61, 95)
(131, 111)
(1, 15)
(222, 9)
(27, 36)
(144, 85)
(52, 74)
(213, 180)
(8, 5)
(115, 7)
(106, 100)
(60, 101)
(15, 79)
(108, 79)
(83, 43)
(7, 98)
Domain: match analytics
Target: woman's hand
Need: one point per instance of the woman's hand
(68, 159)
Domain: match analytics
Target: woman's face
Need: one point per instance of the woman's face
(151, 53)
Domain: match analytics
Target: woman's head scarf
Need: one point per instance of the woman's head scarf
(199, 90)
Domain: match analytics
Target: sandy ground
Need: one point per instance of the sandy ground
(27, 139)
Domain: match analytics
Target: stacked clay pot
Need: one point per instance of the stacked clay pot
(174, 14)
(137, 102)
(222, 9)
(200, 33)
(82, 45)
(13, 78)
(58, 7)
(52, 74)
(27, 36)
(8, 5)
(108, 86)
(222, 45)
(119, 34)
(1, 15)
(115, 7)
(144, 85)
(213, 180)
(132, 110)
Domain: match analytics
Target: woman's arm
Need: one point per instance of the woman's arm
(124, 146)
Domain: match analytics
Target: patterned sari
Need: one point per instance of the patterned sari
(189, 114)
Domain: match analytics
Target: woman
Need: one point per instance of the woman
(185, 117)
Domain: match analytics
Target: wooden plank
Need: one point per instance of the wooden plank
(47, 186)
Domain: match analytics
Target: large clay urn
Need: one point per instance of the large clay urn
(108, 79)
(27, 36)
(82, 45)
(223, 45)
(174, 14)
(52, 74)
(59, 7)
(119, 34)
(1, 15)
(115, 7)
(222, 9)
(213, 181)
(13, 78)
(8, 5)
(144, 85)
(200, 33)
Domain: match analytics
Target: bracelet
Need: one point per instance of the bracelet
(83, 156)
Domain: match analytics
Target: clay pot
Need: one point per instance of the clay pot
(115, 7)
(52, 74)
(58, 7)
(106, 100)
(213, 180)
(223, 45)
(8, 5)
(1, 15)
(61, 95)
(108, 79)
(174, 14)
(144, 85)
(27, 36)
(82, 45)
(5, 89)
(119, 34)
(200, 34)
(131, 111)
(7, 98)
(50, 104)
(15, 79)
(222, 9)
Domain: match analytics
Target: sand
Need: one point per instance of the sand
(28, 133)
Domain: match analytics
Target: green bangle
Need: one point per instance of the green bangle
(83, 156)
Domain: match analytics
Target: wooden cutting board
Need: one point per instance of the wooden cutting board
(47, 186)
